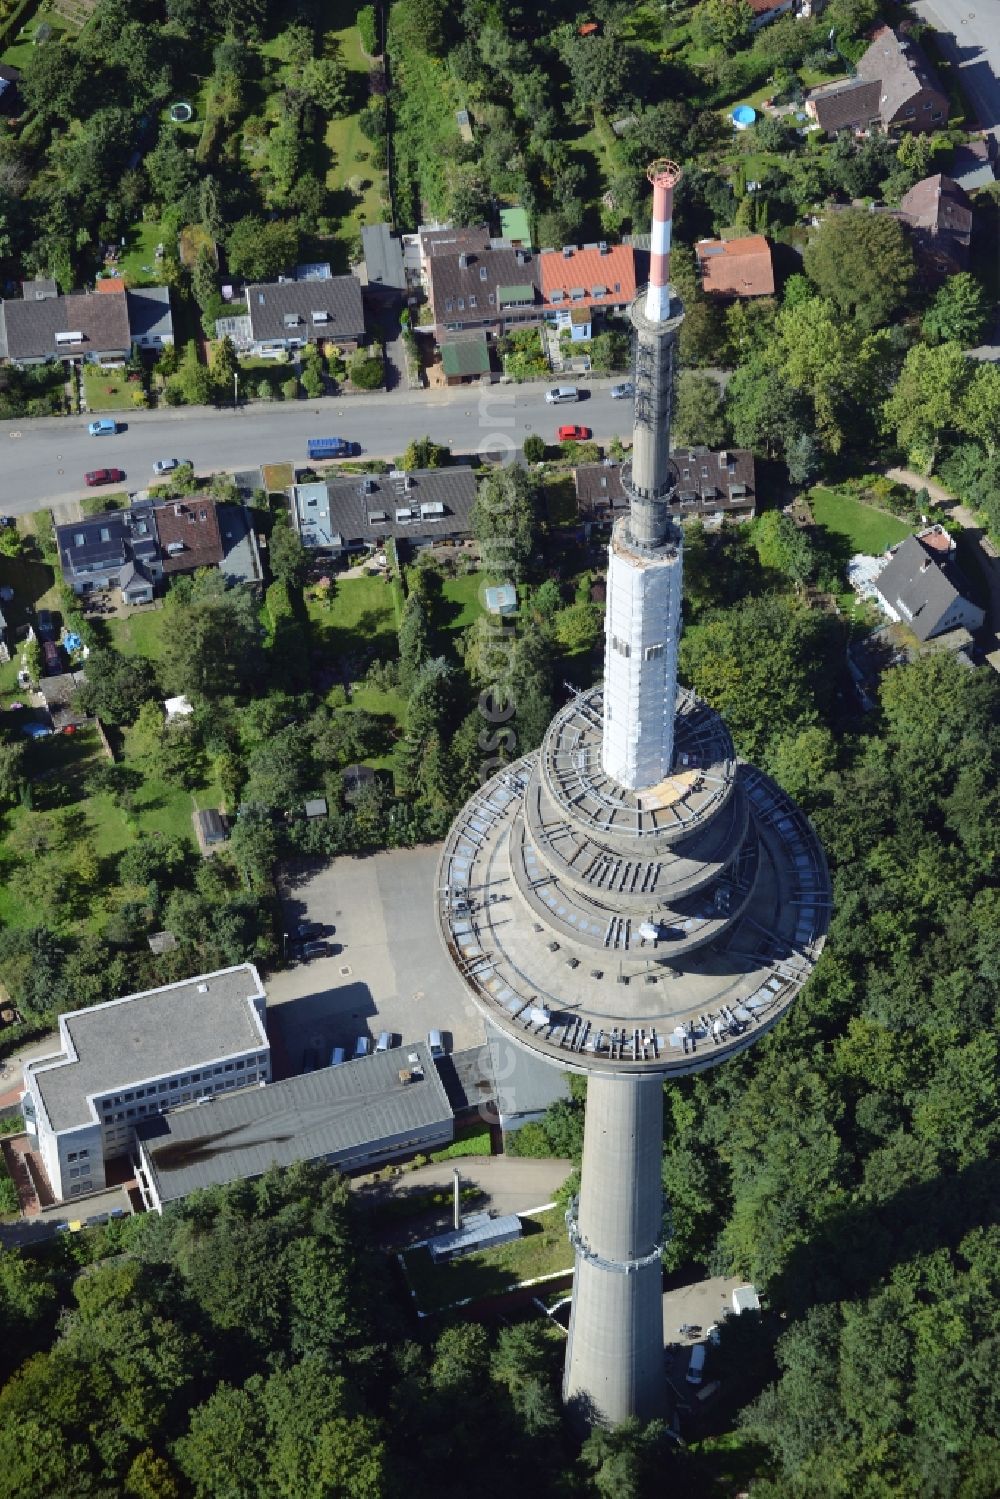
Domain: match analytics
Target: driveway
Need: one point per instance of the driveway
(386, 968)
(969, 35)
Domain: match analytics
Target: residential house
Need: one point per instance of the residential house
(708, 486)
(240, 555)
(586, 278)
(43, 325)
(974, 165)
(188, 531)
(766, 11)
(150, 321)
(494, 288)
(355, 513)
(894, 89)
(920, 586)
(736, 267)
(382, 275)
(119, 549)
(285, 315)
(939, 215)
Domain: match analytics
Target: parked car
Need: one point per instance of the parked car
(573, 434)
(305, 930)
(435, 1045)
(362, 1046)
(315, 950)
(45, 625)
(622, 391)
(104, 426)
(384, 1042)
(104, 476)
(167, 465)
(696, 1364)
(52, 658)
(561, 393)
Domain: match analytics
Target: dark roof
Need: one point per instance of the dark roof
(383, 257)
(28, 328)
(240, 557)
(445, 241)
(149, 312)
(972, 164)
(271, 303)
(899, 67)
(466, 355)
(189, 534)
(848, 105)
(8, 74)
(101, 543)
(704, 480)
(940, 214)
(210, 824)
(916, 586)
(362, 509)
(335, 1113)
(466, 285)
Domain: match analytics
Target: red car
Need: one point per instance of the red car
(573, 434)
(104, 476)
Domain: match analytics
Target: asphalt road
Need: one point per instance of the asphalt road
(43, 461)
(970, 37)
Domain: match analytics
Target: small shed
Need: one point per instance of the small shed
(465, 359)
(316, 807)
(161, 942)
(745, 1299)
(464, 124)
(502, 599)
(210, 830)
(514, 226)
(177, 707)
(479, 1231)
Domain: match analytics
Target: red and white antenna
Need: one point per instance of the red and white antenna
(664, 175)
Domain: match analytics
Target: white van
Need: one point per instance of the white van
(696, 1364)
(384, 1042)
(362, 1046)
(435, 1045)
(560, 393)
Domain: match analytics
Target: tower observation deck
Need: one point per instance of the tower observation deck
(630, 901)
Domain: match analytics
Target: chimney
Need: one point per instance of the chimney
(463, 261)
(457, 1200)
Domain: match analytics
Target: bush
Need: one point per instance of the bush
(534, 447)
(366, 370)
(368, 30)
(290, 389)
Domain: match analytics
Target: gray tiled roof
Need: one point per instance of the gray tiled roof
(149, 314)
(915, 585)
(102, 543)
(30, 327)
(705, 481)
(383, 257)
(899, 67)
(148, 1035)
(343, 511)
(271, 303)
(334, 1113)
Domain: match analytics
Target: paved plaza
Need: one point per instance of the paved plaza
(386, 970)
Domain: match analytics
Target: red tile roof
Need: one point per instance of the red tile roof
(110, 284)
(606, 279)
(189, 534)
(736, 267)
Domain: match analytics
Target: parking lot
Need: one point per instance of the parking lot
(385, 968)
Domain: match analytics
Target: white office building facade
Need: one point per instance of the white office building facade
(133, 1058)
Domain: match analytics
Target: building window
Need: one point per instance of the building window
(74, 1171)
(652, 651)
(621, 646)
(71, 1156)
(163, 1087)
(227, 1066)
(130, 1113)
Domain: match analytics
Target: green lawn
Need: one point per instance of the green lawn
(140, 634)
(867, 529)
(359, 623)
(34, 585)
(138, 261)
(22, 49)
(544, 1250)
(345, 142)
(108, 390)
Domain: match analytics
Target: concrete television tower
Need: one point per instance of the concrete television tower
(630, 901)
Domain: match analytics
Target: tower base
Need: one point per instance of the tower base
(615, 1353)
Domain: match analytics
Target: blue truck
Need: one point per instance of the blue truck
(330, 447)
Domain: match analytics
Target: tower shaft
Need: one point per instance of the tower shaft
(614, 1357)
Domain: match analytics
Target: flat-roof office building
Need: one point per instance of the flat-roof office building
(353, 1116)
(130, 1059)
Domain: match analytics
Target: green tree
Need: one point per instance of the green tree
(722, 23)
(979, 414)
(533, 448)
(863, 263)
(699, 412)
(367, 370)
(11, 770)
(261, 250)
(503, 520)
(288, 558)
(579, 628)
(423, 453)
(959, 312)
(783, 546)
(414, 639)
(326, 82)
(927, 399)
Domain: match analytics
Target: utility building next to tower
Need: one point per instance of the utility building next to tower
(630, 901)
